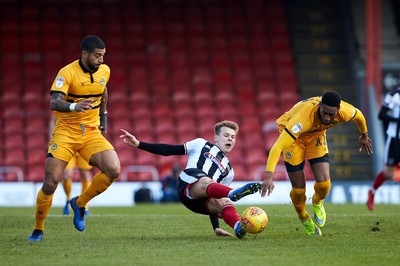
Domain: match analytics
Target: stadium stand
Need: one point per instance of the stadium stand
(177, 67)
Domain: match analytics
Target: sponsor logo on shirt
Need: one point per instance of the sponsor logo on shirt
(60, 82)
(297, 128)
(215, 161)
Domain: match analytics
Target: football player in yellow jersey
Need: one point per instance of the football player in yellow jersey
(303, 136)
(79, 100)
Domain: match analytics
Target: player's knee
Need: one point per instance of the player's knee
(113, 173)
(49, 186)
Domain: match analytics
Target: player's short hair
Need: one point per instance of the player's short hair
(331, 98)
(225, 123)
(92, 42)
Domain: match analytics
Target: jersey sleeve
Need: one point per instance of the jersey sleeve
(350, 113)
(284, 140)
(192, 145)
(62, 81)
(162, 149)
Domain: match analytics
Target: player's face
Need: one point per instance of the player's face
(95, 59)
(327, 114)
(226, 139)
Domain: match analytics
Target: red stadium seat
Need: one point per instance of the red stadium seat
(126, 157)
(13, 120)
(186, 124)
(15, 157)
(13, 140)
(36, 173)
(37, 140)
(10, 99)
(164, 124)
(250, 124)
(37, 122)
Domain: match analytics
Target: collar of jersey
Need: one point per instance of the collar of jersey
(84, 68)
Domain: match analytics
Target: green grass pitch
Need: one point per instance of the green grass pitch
(169, 234)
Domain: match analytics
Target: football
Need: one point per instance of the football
(254, 220)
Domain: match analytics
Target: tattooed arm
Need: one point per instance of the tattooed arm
(57, 103)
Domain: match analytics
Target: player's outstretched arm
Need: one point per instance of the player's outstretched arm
(129, 139)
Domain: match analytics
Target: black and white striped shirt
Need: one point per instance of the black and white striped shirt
(205, 158)
(208, 158)
(391, 113)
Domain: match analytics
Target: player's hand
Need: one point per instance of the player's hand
(129, 139)
(267, 185)
(364, 142)
(222, 232)
(84, 105)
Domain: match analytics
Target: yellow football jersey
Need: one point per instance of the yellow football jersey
(76, 84)
(303, 125)
(302, 120)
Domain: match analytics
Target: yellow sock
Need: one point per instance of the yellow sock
(298, 196)
(321, 191)
(43, 204)
(85, 184)
(67, 185)
(99, 184)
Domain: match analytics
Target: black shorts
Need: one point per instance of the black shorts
(392, 151)
(195, 205)
(300, 167)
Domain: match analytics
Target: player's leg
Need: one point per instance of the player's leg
(106, 160)
(205, 187)
(294, 163)
(317, 154)
(85, 174)
(322, 187)
(298, 197)
(379, 180)
(53, 172)
(227, 211)
(86, 180)
(392, 158)
(66, 183)
(108, 163)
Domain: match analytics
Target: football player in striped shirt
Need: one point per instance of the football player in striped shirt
(390, 115)
(303, 136)
(203, 186)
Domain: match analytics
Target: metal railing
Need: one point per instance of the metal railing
(140, 169)
(12, 169)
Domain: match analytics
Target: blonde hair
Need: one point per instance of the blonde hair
(225, 123)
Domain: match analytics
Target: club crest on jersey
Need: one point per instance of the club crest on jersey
(60, 82)
(54, 146)
(288, 155)
(215, 161)
(297, 128)
(102, 81)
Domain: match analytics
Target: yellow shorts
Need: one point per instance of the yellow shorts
(78, 162)
(64, 147)
(299, 150)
